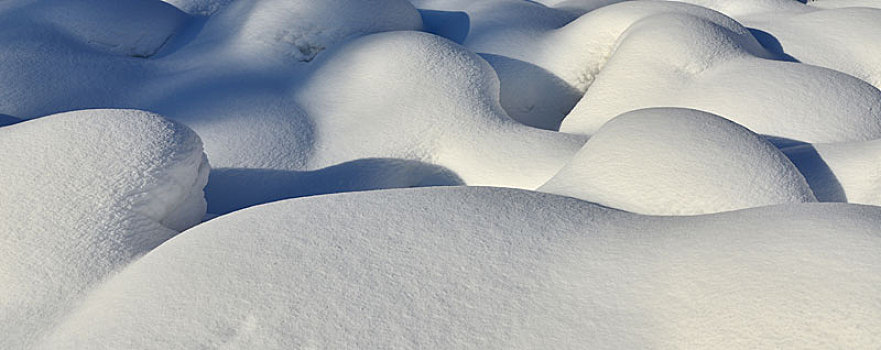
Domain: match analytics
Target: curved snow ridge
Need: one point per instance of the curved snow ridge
(710, 68)
(503, 269)
(84, 193)
(301, 29)
(671, 161)
(417, 96)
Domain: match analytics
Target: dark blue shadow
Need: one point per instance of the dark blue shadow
(8, 120)
(819, 176)
(771, 43)
(453, 25)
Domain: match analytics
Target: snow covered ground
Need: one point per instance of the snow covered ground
(186, 174)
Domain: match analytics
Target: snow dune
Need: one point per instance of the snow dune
(471, 267)
(82, 194)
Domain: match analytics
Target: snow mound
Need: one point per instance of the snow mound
(710, 67)
(668, 161)
(466, 267)
(82, 194)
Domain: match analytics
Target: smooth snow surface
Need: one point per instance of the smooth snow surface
(669, 161)
(81, 194)
(495, 268)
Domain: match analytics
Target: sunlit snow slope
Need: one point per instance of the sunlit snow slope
(495, 268)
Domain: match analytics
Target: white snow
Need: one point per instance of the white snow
(82, 194)
(668, 161)
(740, 111)
(491, 268)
